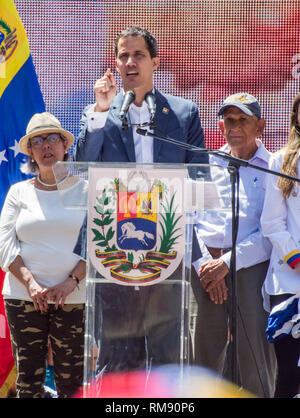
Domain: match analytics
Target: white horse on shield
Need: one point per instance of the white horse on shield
(129, 231)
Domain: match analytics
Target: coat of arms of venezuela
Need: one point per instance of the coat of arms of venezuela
(136, 224)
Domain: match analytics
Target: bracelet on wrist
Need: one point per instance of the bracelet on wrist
(73, 277)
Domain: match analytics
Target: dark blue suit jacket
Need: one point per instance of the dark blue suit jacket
(175, 117)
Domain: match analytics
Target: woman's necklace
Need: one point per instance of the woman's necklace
(45, 184)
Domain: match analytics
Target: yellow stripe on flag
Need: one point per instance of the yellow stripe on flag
(9, 382)
(291, 254)
(14, 48)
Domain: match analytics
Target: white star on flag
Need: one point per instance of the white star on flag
(16, 148)
(2, 158)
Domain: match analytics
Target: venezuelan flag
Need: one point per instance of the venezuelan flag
(8, 372)
(20, 94)
(20, 98)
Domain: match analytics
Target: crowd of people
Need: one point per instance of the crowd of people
(44, 287)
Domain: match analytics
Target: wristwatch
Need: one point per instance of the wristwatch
(73, 277)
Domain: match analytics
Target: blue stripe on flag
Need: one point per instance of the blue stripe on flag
(20, 100)
(284, 319)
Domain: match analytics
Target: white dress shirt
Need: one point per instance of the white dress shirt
(280, 222)
(143, 145)
(35, 225)
(215, 228)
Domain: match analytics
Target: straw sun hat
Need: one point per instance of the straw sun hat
(43, 123)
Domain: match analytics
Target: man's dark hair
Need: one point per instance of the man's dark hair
(137, 31)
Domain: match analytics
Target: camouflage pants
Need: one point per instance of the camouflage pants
(30, 331)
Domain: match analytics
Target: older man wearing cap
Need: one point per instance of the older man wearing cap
(241, 125)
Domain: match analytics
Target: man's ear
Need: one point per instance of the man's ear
(261, 124)
(221, 126)
(156, 62)
(116, 66)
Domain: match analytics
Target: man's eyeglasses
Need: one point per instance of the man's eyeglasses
(37, 141)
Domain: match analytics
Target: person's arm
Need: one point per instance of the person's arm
(105, 90)
(9, 243)
(253, 250)
(90, 139)
(211, 272)
(10, 253)
(34, 289)
(89, 142)
(274, 221)
(80, 246)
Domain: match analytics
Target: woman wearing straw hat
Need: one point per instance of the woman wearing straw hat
(44, 287)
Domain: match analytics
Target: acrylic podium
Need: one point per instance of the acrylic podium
(137, 240)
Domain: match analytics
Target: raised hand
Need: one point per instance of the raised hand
(105, 90)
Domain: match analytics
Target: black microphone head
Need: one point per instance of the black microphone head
(128, 98)
(150, 99)
(130, 93)
(150, 96)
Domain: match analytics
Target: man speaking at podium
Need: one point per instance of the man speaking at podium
(108, 134)
(104, 132)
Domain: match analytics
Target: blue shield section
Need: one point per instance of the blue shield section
(136, 234)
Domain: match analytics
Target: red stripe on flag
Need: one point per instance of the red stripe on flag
(7, 365)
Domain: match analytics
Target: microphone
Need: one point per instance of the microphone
(151, 103)
(129, 97)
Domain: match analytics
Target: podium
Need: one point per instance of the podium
(137, 241)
